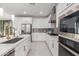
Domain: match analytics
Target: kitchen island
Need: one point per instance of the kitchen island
(20, 48)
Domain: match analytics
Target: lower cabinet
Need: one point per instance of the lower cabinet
(23, 48)
(19, 51)
(52, 43)
(28, 45)
(55, 47)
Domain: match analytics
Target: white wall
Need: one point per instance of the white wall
(40, 22)
(21, 20)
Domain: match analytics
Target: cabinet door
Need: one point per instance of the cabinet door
(48, 40)
(28, 43)
(25, 47)
(25, 50)
(19, 51)
(55, 52)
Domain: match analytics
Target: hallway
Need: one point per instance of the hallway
(39, 49)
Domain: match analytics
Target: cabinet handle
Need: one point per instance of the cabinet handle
(24, 48)
(52, 43)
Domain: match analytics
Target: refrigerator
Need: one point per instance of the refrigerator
(26, 29)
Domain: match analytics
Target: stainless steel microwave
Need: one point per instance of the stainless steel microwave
(70, 23)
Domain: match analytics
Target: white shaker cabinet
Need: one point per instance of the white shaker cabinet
(23, 48)
(28, 45)
(52, 42)
(19, 50)
(49, 42)
(55, 46)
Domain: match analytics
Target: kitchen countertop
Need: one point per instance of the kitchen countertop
(73, 38)
(52, 34)
(4, 48)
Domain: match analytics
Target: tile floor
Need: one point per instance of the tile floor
(39, 49)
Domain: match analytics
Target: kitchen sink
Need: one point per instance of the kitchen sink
(14, 40)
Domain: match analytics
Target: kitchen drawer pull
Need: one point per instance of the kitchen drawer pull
(52, 45)
(24, 48)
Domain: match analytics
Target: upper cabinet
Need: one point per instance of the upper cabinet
(64, 10)
(4, 15)
(62, 6)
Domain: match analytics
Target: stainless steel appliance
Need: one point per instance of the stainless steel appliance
(70, 23)
(72, 45)
(26, 29)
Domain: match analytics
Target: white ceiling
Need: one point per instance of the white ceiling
(39, 9)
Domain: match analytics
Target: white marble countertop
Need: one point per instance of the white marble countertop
(4, 48)
(70, 38)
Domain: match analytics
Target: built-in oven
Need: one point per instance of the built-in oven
(70, 23)
(72, 45)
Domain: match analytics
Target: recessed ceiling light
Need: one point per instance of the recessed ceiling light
(41, 12)
(25, 12)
